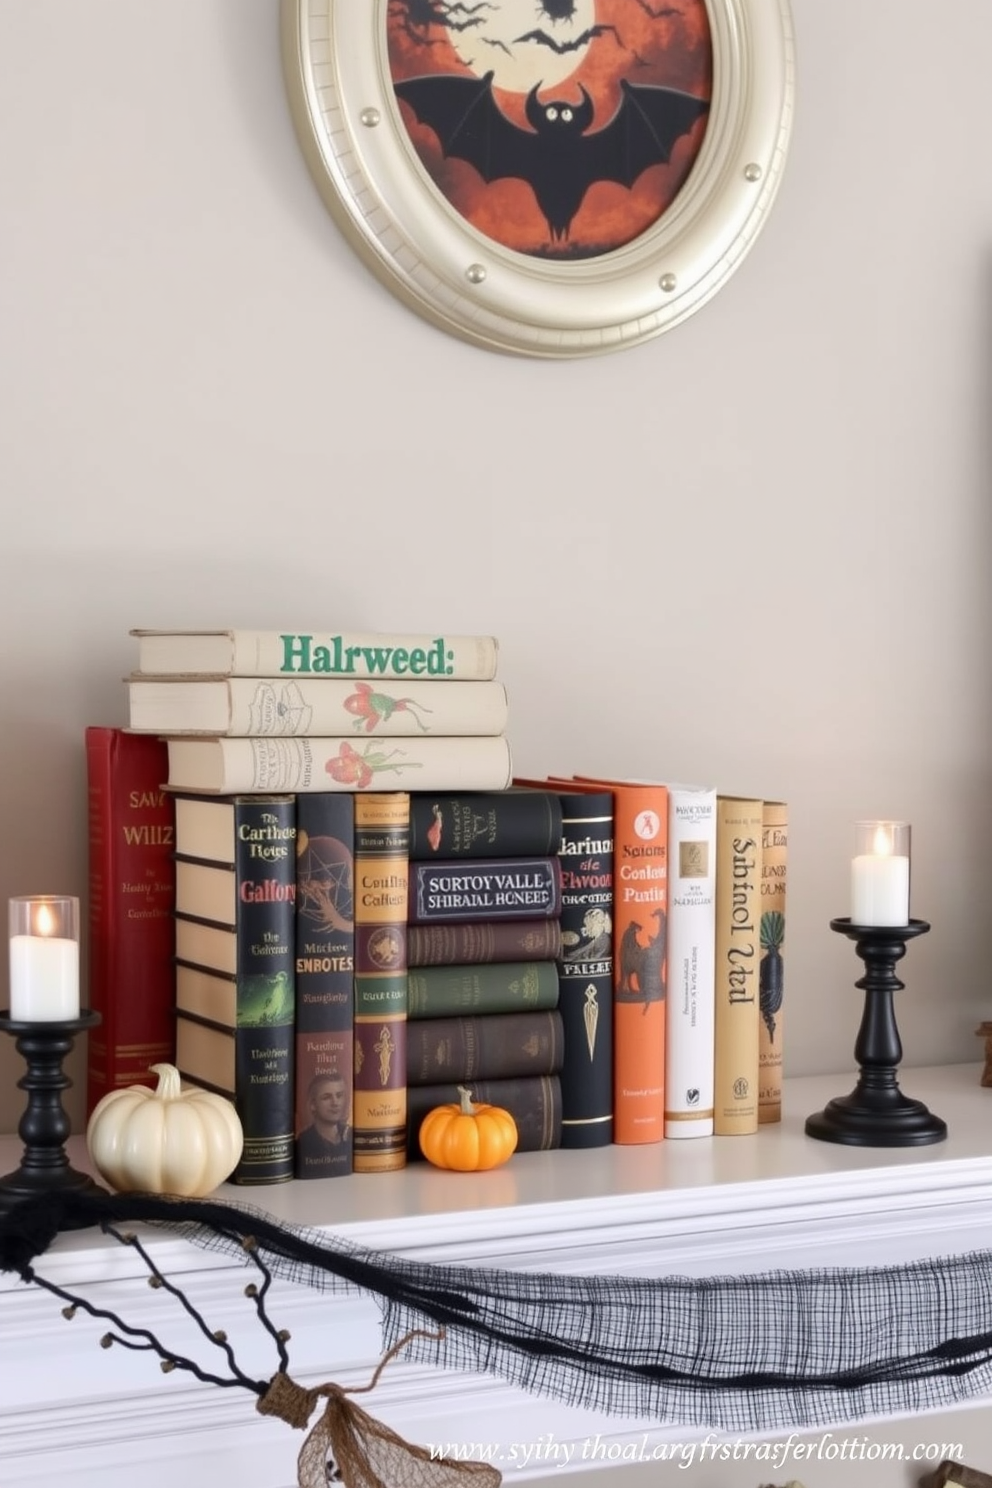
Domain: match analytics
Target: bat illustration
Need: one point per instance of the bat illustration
(558, 157)
(541, 38)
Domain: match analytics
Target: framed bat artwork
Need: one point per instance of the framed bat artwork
(550, 178)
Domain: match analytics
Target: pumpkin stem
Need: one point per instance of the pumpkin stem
(168, 1087)
(466, 1099)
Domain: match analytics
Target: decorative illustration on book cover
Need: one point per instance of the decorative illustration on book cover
(325, 943)
(559, 128)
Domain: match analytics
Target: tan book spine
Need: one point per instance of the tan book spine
(774, 879)
(382, 853)
(738, 953)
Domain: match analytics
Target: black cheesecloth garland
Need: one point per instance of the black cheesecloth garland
(776, 1350)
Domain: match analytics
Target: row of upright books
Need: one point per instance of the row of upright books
(344, 959)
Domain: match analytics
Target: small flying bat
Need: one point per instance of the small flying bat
(558, 157)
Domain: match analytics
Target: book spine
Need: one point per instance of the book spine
(483, 940)
(494, 1046)
(533, 1102)
(232, 766)
(283, 706)
(689, 1023)
(586, 969)
(263, 653)
(357, 654)
(497, 824)
(131, 902)
(503, 987)
(382, 838)
(325, 987)
(774, 882)
(265, 875)
(738, 950)
(640, 929)
(495, 888)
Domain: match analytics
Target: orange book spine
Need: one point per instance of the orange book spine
(640, 957)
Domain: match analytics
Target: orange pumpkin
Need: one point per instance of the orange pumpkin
(467, 1137)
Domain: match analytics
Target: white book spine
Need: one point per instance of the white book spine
(321, 707)
(273, 766)
(263, 653)
(691, 956)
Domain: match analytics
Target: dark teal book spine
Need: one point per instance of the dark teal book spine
(325, 983)
(265, 869)
(503, 987)
(586, 968)
(484, 824)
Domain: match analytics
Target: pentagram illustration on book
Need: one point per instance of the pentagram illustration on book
(325, 883)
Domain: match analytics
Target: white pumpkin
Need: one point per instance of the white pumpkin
(168, 1140)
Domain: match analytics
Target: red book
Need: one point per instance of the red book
(131, 899)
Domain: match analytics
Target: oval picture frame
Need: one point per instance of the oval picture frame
(382, 198)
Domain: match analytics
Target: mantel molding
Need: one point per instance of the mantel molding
(702, 1207)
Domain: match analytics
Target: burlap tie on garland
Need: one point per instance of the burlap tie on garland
(366, 1453)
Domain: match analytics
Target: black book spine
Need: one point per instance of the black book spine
(586, 969)
(265, 866)
(491, 1046)
(534, 1103)
(483, 941)
(485, 824)
(325, 983)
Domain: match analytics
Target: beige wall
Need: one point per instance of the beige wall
(213, 414)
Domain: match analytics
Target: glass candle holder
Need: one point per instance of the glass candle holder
(44, 958)
(880, 873)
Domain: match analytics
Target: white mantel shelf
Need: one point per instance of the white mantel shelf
(70, 1411)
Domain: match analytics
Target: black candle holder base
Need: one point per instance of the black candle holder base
(895, 1121)
(876, 1113)
(44, 1126)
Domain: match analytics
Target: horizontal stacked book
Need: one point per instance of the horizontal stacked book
(246, 711)
(482, 940)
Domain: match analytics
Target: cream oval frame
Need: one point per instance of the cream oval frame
(348, 122)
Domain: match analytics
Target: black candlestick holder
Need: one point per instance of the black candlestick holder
(44, 1126)
(876, 1113)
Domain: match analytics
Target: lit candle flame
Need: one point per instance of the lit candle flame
(883, 842)
(44, 921)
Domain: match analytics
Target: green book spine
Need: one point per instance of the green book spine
(506, 987)
(325, 985)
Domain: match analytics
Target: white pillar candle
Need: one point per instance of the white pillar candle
(880, 877)
(44, 963)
